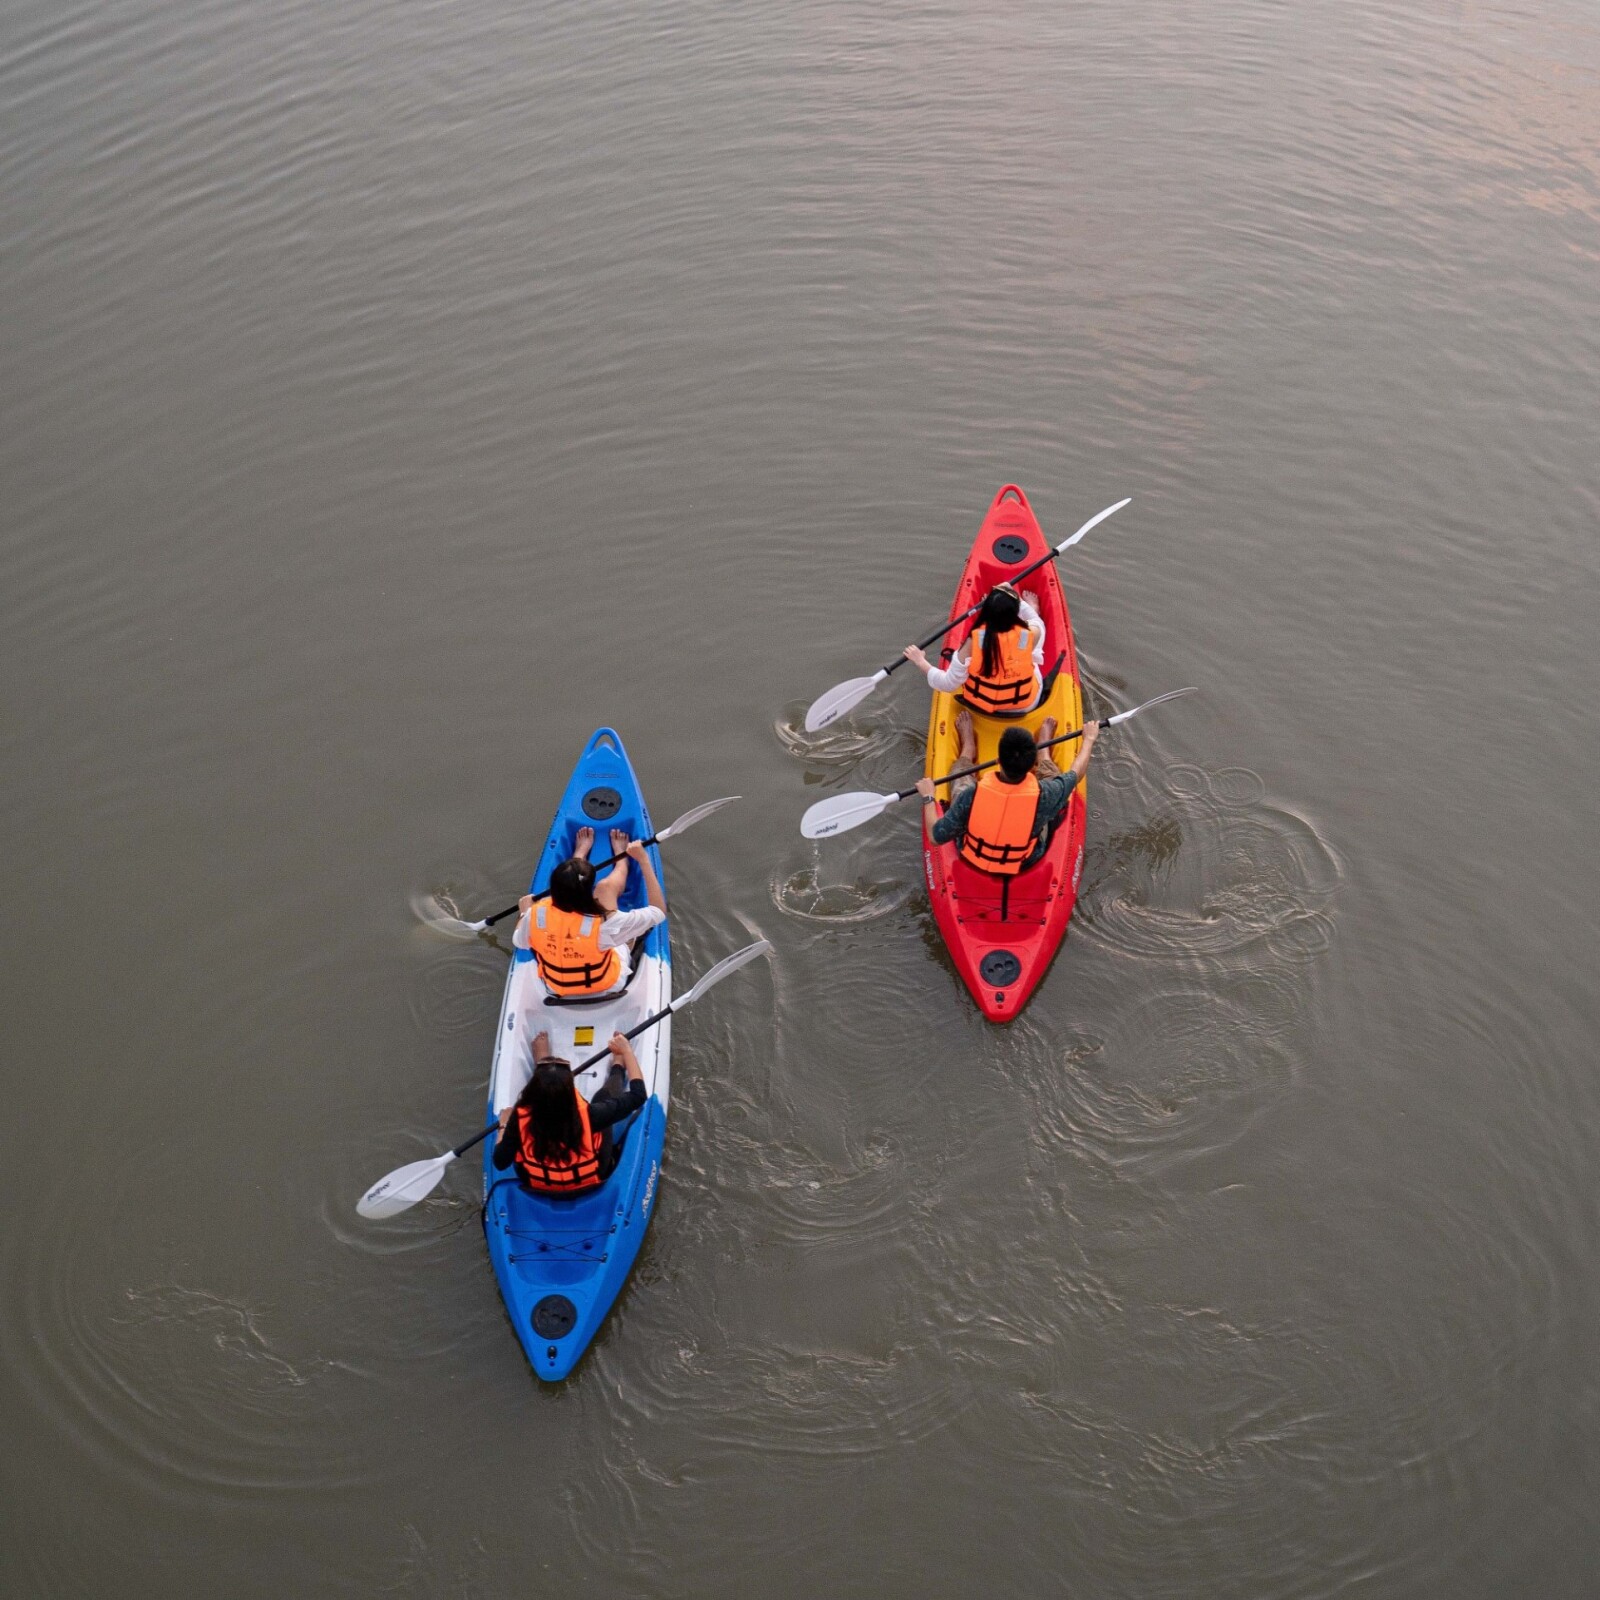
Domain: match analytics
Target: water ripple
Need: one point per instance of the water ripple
(1213, 869)
(803, 895)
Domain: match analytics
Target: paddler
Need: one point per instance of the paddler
(578, 936)
(999, 669)
(561, 1143)
(1003, 819)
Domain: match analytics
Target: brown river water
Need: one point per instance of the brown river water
(392, 394)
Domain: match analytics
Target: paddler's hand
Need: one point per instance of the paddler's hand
(925, 787)
(913, 654)
(525, 904)
(505, 1117)
(1080, 762)
(635, 852)
(622, 1054)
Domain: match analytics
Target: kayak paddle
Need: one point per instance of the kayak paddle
(449, 924)
(846, 811)
(846, 696)
(405, 1186)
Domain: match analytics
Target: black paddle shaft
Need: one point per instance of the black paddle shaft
(544, 894)
(1044, 744)
(955, 622)
(632, 1033)
(598, 1056)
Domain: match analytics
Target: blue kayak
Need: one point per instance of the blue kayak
(561, 1262)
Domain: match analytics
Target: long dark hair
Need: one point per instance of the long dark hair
(1000, 614)
(572, 888)
(552, 1103)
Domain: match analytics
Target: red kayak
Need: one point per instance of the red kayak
(1003, 933)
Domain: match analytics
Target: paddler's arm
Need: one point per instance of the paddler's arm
(945, 680)
(1080, 762)
(652, 885)
(505, 1144)
(604, 1110)
(953, 822)
(1056, 790)
(1031, 619)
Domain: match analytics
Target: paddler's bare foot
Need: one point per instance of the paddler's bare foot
(541, 1045)
(1047, 730)
(581, 845)
(1031, 598)
(966, 736)
(619, 841)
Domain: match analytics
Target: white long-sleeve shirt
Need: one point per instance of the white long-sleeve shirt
(948, 680)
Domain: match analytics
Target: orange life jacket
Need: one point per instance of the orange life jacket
(999, 835)
(1015, 684)
(566, 944)
(578, 1169)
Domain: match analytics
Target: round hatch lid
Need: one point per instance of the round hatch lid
(554, 1317)
(1000, 969)
(601, 804)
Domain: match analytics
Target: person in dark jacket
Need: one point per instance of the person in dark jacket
(560, 1143)
(1020, 756)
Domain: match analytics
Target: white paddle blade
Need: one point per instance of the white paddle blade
(431, 909)
(698, 814)
(1171, 694)
(842, 697)
(1067, 544)
(843, 812)
(727, 964)
(404, 1187)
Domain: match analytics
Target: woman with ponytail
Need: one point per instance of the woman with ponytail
(998, 671)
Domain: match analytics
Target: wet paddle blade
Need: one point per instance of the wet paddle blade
(843, 812)
(1067, 543)
(1171, 694)
(842, 697)
(437, 913)
(404, 1187)
(697, 814)
(727, 964)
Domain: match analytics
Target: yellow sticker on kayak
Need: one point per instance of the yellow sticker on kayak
(583, 1035)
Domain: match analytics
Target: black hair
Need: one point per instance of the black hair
(572, 888)
(1018, 752)
(552, 1102)
(1000, 614)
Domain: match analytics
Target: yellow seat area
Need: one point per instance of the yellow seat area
(1064, 703)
